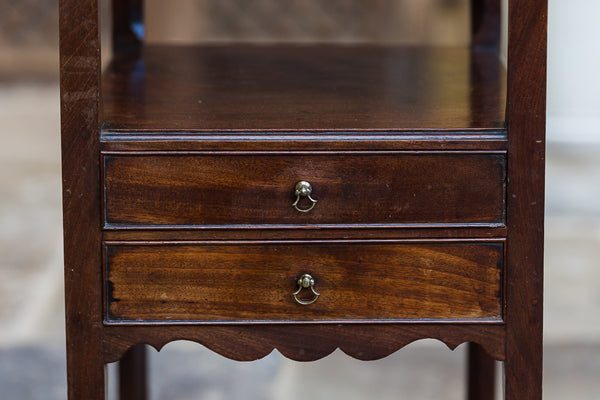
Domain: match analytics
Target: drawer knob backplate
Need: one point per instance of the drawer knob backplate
(306, 282)
(303, 189)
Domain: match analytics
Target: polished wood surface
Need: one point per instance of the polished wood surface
(215, 189)
(304, 342)
(175, 233)
(300, 88)
(526, 113)
(255, 282)
(126, 142)
(81, 193)
(213, 101)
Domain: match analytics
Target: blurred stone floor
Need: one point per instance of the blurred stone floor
(32, 362)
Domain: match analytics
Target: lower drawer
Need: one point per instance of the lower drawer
(246, 281)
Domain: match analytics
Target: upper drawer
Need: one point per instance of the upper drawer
(242, 189)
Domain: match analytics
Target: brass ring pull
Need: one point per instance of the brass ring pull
(303, 189)
(306, 281)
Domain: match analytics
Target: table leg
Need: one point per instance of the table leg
(132, 374)
(86, 377)
(481, 374)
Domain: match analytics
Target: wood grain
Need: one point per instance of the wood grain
(255, 282)
(304, 342)
(213, 101)
(525, 201)
(298, 88)
(80, 102)
(428, 188)
(305, 232)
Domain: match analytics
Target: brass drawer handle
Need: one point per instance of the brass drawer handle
(306, 281)
(303, 189)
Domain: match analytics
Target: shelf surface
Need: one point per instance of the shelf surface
(296, 88)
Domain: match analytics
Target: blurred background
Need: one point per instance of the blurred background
(32, 347)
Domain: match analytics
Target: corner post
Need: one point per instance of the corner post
(526, 117)
(80, 122)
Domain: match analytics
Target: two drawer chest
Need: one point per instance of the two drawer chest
(303, 198)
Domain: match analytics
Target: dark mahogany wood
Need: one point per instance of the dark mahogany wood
(299, 88)
(79, 91)
(485, 24)
(258, 189)
(304, 342)
(302, 232)
(344, 103)
(128, 24)
(254, 281)
(481, 374)
(485, 140)
(133, 383)
(526, 116)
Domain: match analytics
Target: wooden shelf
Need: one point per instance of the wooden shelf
(295, 88)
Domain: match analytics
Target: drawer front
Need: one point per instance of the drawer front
(209, 190)
(256, 281)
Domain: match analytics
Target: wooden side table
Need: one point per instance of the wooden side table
(304, 198)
